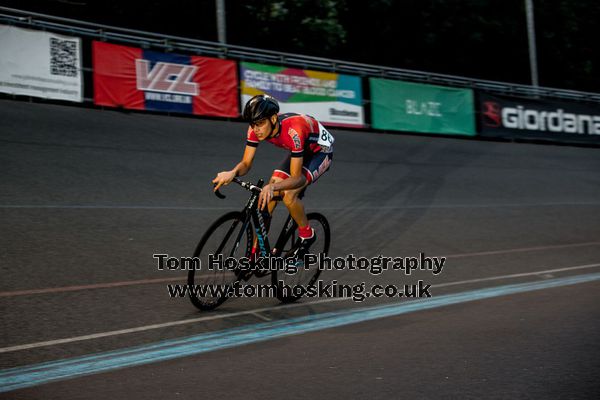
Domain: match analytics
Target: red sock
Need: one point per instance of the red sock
(306, 232)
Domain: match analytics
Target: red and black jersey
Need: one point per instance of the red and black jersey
(298, 133)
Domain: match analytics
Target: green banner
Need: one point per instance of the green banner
(415, 107)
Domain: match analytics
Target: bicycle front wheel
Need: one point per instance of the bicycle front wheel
(226, 237)
(303, 276)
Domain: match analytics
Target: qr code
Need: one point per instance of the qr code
(63, 57)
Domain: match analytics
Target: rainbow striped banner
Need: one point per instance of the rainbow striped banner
(333, 99)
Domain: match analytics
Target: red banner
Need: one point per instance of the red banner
(139, 79)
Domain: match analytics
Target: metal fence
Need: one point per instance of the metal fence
(169, 43)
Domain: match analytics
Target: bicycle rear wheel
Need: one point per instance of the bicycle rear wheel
(226, 237)
(302, 276)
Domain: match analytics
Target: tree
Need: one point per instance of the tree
(484, 39)
(306, 26)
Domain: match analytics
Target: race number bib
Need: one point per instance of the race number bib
(325, 138)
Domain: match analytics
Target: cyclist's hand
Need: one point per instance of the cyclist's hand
(223, 178)
(265, 196)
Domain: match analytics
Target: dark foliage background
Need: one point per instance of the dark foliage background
(477, 38)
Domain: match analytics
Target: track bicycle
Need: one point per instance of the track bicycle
(232, 236)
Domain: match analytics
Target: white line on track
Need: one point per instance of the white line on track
(260, 316)
(107, 207)
(108, 285)
(493, 278)
(182, 278)
(259, 310)
(91, 286)
(349, 207)
(522, 249)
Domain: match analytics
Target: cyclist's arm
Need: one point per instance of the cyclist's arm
(296, 178)
(244, 166)
(295, 181)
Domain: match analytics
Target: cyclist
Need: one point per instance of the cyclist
(310, 155)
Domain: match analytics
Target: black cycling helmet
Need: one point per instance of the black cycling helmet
(259, 107)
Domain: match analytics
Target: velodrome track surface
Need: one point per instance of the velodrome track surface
(87, 196)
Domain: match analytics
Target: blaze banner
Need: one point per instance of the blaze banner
(415, 107)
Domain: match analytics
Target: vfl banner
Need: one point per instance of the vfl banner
(333, 99)
(139, 79)
(546, 119)
(415, 107)
(40, 64)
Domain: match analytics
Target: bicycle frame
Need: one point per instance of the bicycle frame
(253, 214)
(251, 223)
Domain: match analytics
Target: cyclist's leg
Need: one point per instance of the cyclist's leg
(294, 204)
(290, 197)
(278, 175)
(312, 169)
(278, 195)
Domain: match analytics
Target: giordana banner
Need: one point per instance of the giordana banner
(333, 99)
(139, 79)
(40, 64)
(544, 119)
(415, 107)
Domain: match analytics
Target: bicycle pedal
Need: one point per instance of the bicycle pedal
(260, 273)
(244, 275)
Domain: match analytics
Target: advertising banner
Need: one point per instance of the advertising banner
(415, 107)
(40, 64)
(502, 116)
(333, 99)
(139, 79)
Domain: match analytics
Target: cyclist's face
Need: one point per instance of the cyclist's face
(262, 128)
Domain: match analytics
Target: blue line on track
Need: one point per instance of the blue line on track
(37, 374)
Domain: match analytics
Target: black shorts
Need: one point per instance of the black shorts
(313, 166)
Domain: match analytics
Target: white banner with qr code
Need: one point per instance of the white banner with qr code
(40, 64)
